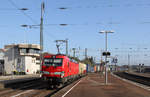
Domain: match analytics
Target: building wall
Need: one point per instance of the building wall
(21, 61)
(1, 55)
(1, 62)
(9, 61)
(30, 65)
(20, 64)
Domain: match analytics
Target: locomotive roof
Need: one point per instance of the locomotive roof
(48, 55)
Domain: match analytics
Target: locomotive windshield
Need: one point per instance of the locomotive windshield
(53, 62)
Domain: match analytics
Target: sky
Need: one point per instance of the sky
(129, 19)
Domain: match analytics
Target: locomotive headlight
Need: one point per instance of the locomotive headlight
(57, 73)
(62, 74)
(45, 72)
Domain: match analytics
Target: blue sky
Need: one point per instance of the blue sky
(85, 18)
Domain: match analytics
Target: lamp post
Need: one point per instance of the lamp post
(41, 30)
(106, 32)
(129, 61)
(74, 52)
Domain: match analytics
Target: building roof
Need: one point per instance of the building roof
(35, 46)
(2, 50)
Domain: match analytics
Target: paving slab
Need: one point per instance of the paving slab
(93, 86)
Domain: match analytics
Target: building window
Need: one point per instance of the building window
(37, 51)
(23, 50)
(19, 60)
(31, 51)
(34, 51)
(33, 61)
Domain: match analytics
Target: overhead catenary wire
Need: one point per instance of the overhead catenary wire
(17, 7)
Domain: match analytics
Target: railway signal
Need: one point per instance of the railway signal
(106, 53)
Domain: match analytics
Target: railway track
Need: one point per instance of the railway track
(136, 78)
(18, 89)
(30, 88)
(36, 88)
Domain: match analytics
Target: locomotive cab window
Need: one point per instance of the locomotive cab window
(53, 62)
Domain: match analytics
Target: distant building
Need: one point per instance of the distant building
(1, 61)
(22, 58)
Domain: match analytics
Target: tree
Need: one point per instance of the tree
(89, 61)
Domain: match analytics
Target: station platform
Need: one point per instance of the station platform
(13, 77)
(93, 86)
(7, 81)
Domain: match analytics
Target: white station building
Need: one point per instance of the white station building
(1, 61)
(22, 58)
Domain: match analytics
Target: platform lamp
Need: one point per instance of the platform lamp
(106, 32)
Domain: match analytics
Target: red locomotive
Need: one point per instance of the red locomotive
(58, 69)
